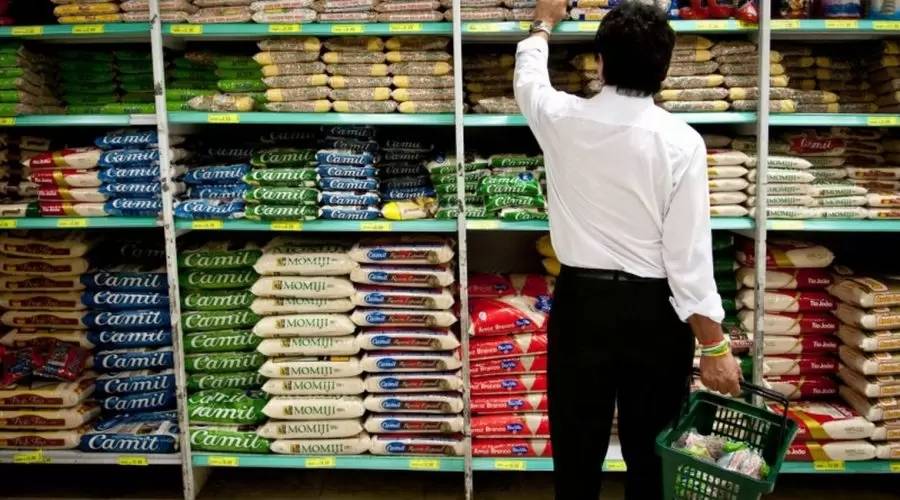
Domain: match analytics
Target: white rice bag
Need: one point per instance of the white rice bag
(310, 346)
(303, 287)
(869, 319)
(417, 445)
(420, 249)
(376, 362)
(355, 445)
(414, 403)
(407, 339)
(314, 407)
(406, 276)
(876, 363)
(791, 279)
(825, 421)
(413, 382)
(348, 386)
(878, 386)
(873, 410)
(321, 367)
(302, 325)
(267, 306)
(321, 263)
(403, 317)
(414, 424)
(310, 429)
(867, 292)
(844, 451)
(407, 298)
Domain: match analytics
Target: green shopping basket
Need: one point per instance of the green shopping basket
(688, 477)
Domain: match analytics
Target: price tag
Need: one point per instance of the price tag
(524, 25)
(744, 25)
(217, 461)
(510, 465)
(375, 226)
(285, 28)
(482, 27)
(207, 224)
(223, 118)
(286, 226)
(615, 465)
(483, 224)
(8, 223)
(841, 24)
(785, 24)
(881, 121)
(186, 29)
(72, 223)
(404, 27)
(786, 225)
(320, 462)
(133, 460)
(27, 30)
(829, 466)
(346, 29)
(425, 463)
(587, 26)
(895, 466)
(7, 122)
(886, 26)
(31, 457)
(88, 29)
(712, 25)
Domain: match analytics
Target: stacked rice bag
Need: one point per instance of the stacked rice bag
(114, 82)
(283, 11)
(425, 67)
(348, 184)
(304, 299)
(87, 11)
(478, 10)
(170, 11)
(282, 185)
(294, 77)
(885, 77)
(19, 198)
(225, 405)
(359, 77)
(442, 169)
(26, 82)
(393, 11)
(513, 191)
(239, 83)
(188, 78)
(404, 308)
(45, 350)
(693, 82)
(488, 82)
(592, 81)
(406, 189)
(727, 173)
(221, 11)
(882, 182)
(869, 310)
(829, 79)
(207, 197)
(346, 11)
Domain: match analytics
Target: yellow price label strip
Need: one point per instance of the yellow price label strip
(207, 224)
(510, 465)
(31, 457)
(132, 460)
(483, 224)
(786, 225)
(345, 29)
(841, 24)
(712, 25)
(424, 464)
(886, 26)
(73, 222)
(7, 122)
(828, 465)
(881, 121)
(404, 27)
(186, 29)
(88, 29)
(223, 461)
(285, 28)
(524, 25)
(482, 27)
(27, 30)
(286, 226)
(223, 118)
(375, 226)
(320, 462)
(587, 26)
(615, 465)
(785, 24)
(895, 466)
(8, 223)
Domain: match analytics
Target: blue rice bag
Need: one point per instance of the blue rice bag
(352, 145)
(218, 192)
(133, 207)
(406, 193)
(349, 212)
(130, 321)
(134, 359)
(401, 169)
(341, 171)
(360, 132)
(216, 174)
(362, 198)
(115, 339)
(151, 432)
(142, 190)
(139, 402)
(127, 138)
(399, 155)
(129, 158)
(136, 381)
(344, 157)
(406, 182)
(406, 145)
(129, 174)
(127, 278)
(118, 300)
(209, 209)
(348, 184)
(235, 154)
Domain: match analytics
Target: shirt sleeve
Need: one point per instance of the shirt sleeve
(534, 93)
(687, 244)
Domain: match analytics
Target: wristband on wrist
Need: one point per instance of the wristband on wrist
(716, 350)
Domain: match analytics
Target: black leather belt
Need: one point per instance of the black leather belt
(607, 274)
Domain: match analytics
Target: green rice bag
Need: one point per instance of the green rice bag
(210, 87)
(134, 68)
(521, 184)
(233, 380)
(137, 87)
(247, 85)
(90, 88)
(726, 283)
(729, 305)
(228, 439)
(177, 106)
(723, 266)
(128, 108)
(84, 55)
(138, 97)
(235, 62)
(282, 196)
(295, 177)
(516, 160)
(472, 211)
(284, 158)
(722, 240)
(84, 109)
(133, 55)
(193, 74)
(227, 406)
(219, 255)
(204, 321)
(223, 362)
(281, 212)
(182, 63)
(470, 187)
(12, 72)
(522, 214)
(451, 200)
(15, 109)
(77, 99)
(499, 201)
(472, 175)
(216, 300)
(13, 96)
(238, 74)
(218, 279)
(221, 341)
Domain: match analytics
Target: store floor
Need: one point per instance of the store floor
(162, 483)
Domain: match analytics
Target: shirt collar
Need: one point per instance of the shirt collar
(611, 92)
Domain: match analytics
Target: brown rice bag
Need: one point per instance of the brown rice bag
(691, 69)
(344, 5)
(890, 99)
(708, 94)
(320, 106)
(164, 6)
(360, 94)
(422, 81)
(435, 106)
(834, 74)
(221, 102)
(750, 93)
(498, 105)
(521, 14)
(285, 16)
(884, 74)
(790, 49)
(480, 14)
(857, 96)
(357, 69)
(751, 81)
(344, 82)
(354, 44)
(884, 213)
(730, 47)
(814, 97)
(364, 106)
(77, 9)
(426, 94)
(585, 62)
(167, 16)
(486, 87)
(804, 84)
(396, 56)
(222, 3)
(694, 106)
(489, 62)
(417, 43)
(310, 68)
(749, 58)
(800, 62)
(297, 94)
(421, 68)
(680, 56)
(301, 43)
(501, 75)
(888, 86)
(692, 82)
(414, 16)
(684, 42)
(728, 211)
(353, 57)
(214, 15)
(828, 62)
(407, 5)
(284, 57)
(859, 108)
(840, 86)
(748, 69)
(295, 81)
(91, 19)
(347, 17)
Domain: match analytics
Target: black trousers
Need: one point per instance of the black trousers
(613, 343)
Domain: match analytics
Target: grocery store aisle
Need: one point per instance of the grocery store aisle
(162, 483)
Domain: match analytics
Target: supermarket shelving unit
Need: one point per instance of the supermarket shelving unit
(196, 465)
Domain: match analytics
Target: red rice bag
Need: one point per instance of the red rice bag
(507, 346)
(511, 447)
(807, 364)
(484, 285)
(506, 316)
(796, 387)
(523, 364)
(536, 402)
(529, 424)
(533, 285)
(78, 158)
(509, 384)
(62, 361)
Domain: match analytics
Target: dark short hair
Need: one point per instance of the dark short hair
(635, 41)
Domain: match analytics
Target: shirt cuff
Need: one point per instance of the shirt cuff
(710, 307)
(533, 43)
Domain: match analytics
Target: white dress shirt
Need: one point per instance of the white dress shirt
(626, 184)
